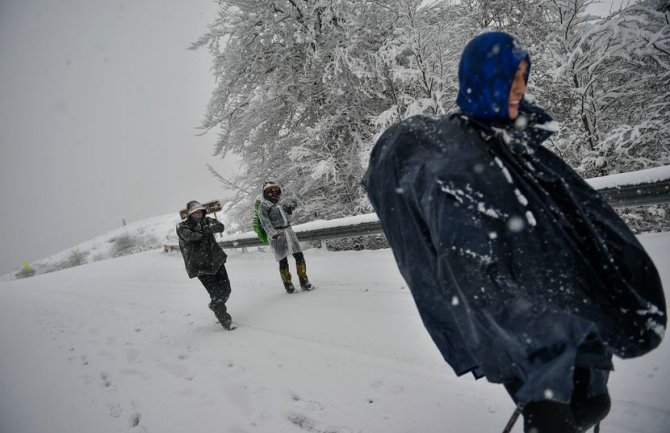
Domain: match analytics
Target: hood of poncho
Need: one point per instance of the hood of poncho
(486, 72)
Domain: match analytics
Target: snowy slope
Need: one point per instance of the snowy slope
(128, 345)
(143, 235)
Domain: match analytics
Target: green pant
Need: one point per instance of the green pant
(301, 268)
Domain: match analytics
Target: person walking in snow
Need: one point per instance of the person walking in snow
(521, 272)
(205, 259)
(274, 216)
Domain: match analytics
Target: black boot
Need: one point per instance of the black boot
(221, 313)
(581, 414)
(305, 284)
(290, 288)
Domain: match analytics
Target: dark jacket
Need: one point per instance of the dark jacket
(513, 260)
(202, 255)
(519, 269)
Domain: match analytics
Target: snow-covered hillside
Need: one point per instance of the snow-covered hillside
(128, 345)
(143, 235)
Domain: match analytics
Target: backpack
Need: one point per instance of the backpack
(258, 227)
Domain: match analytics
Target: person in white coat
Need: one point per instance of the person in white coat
(274, 215)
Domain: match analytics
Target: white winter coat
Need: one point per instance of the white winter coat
(274, 218)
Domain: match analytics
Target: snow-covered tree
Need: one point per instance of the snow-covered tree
(292, 98)
(417, 67)
(303, 87)
(606, 82)
(637, 100)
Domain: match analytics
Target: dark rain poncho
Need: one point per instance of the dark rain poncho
(513, 260)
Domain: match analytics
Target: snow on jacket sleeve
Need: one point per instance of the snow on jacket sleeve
(474, 267)
(289, 205)
(464, 228)
(395, 182)
(264, 218)
(212, 226)
(462, 224)
(189, 234)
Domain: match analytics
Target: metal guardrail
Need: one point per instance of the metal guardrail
(337, 228)
(624, 195)
(638, 195)
(318, 234)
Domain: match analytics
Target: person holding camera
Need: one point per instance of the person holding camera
(205, 259)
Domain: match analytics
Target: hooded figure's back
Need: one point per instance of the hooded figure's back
(514, 262)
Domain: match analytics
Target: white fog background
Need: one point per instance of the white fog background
(99, 104)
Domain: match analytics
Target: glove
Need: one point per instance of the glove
(201, 227)
(290, 205)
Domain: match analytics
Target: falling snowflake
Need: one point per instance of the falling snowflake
(515, 224)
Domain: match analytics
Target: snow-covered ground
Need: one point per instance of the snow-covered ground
(128, 345)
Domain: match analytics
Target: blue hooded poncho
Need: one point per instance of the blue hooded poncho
(519, 269)
(485, 74)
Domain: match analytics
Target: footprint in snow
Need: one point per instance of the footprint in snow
(135, 426)
(115, 410)
(308, 405)
(135, 420)
(313, 426)
(88, 379)
(381, 386)
(105, 382)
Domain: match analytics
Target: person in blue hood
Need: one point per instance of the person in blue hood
(520, 271)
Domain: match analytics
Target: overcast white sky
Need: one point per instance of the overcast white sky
(99, 101)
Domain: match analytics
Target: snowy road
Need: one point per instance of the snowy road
(128, 345)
